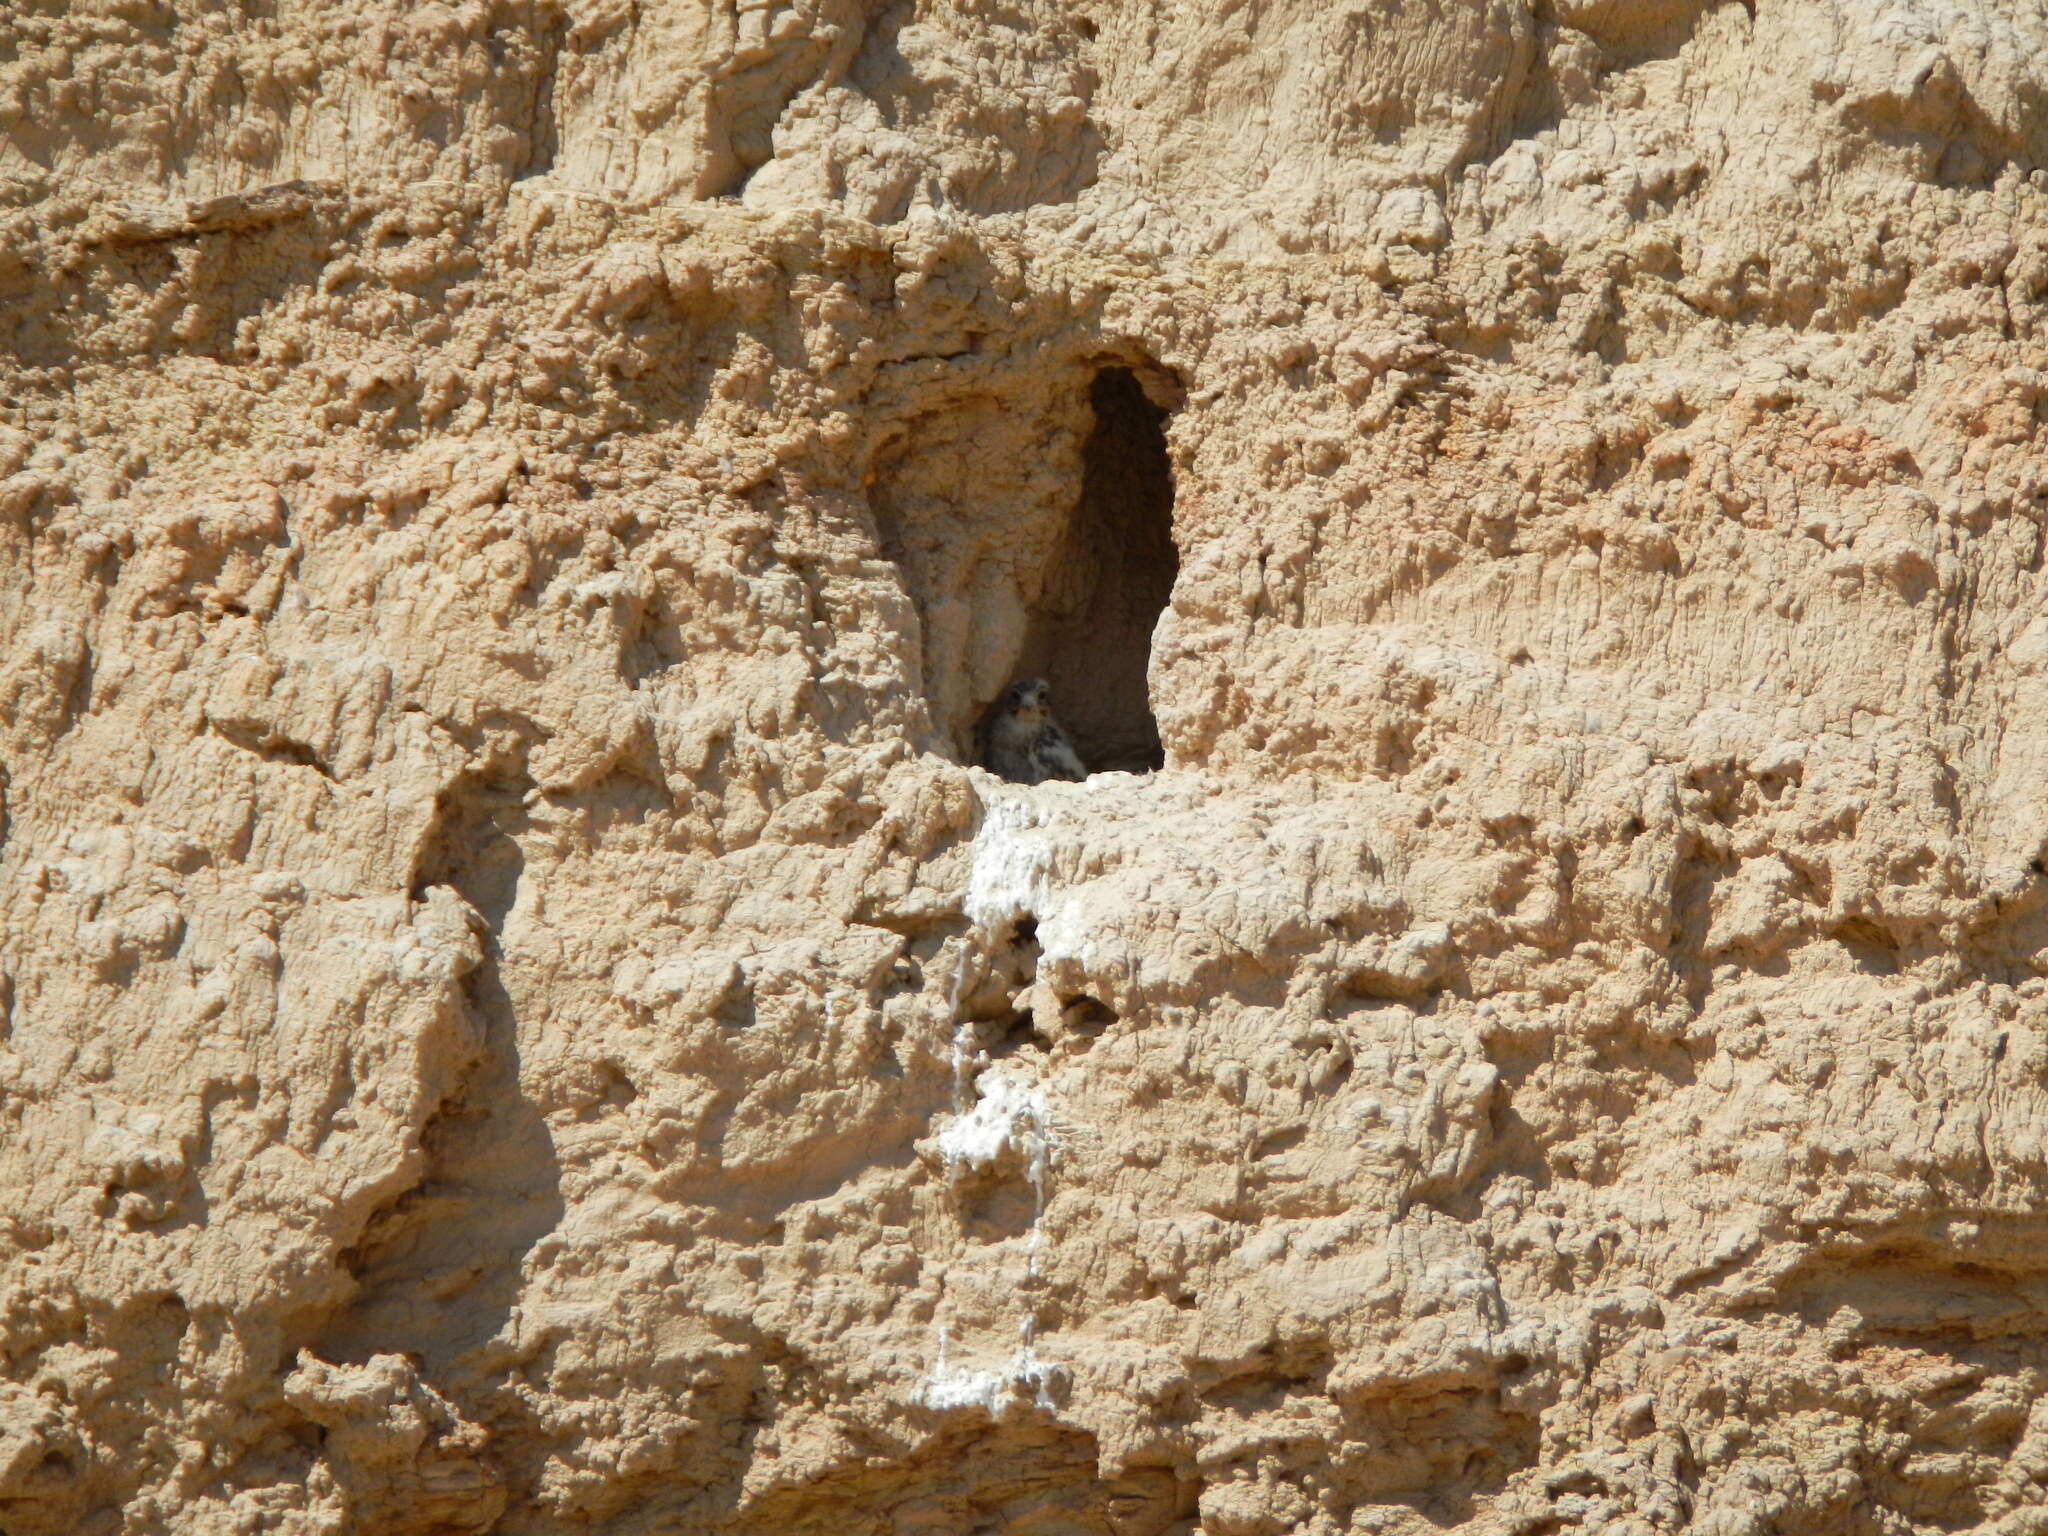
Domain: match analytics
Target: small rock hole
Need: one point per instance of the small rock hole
(736, 1011)
(1086, 1016)
(1283, 1140)
(1109, 580)
(1016, 1034)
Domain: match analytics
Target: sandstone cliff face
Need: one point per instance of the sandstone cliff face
(515, 1016)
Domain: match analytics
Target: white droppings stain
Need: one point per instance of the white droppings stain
(1011, 872)
(1011, 877)
(958, 1386)
(1063, 933)
(1008, 1112)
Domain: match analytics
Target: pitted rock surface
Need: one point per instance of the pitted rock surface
(518, 1012)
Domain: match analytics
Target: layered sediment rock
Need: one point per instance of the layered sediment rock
(518, 1014)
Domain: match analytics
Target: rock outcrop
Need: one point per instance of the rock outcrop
(518, 1014)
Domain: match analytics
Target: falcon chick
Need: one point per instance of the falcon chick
(1022, 742)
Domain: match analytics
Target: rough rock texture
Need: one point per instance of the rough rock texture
(514, 1015)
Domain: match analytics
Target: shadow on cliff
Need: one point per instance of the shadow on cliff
(439, 1270)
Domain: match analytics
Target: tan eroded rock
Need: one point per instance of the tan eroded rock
(516, 1013)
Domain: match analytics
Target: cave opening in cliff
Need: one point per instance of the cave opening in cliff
(1109, 580)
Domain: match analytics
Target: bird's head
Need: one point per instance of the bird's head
(1028, 699)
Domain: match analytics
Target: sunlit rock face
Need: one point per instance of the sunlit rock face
(519, 1012)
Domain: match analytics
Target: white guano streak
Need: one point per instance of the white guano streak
(1008, 1112)
(1011, 872)
(956, 1386)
